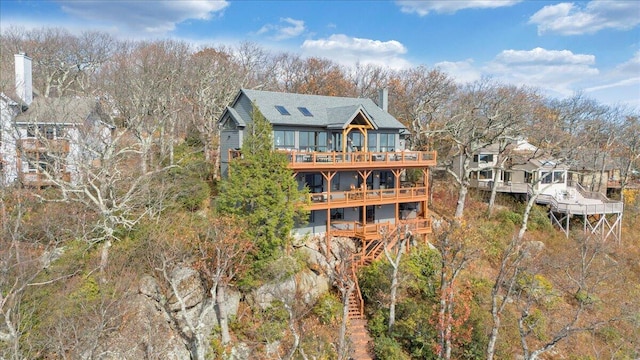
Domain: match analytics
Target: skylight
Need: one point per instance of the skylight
(305, 111)
(282, 110)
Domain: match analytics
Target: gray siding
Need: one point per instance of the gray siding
(229, 139)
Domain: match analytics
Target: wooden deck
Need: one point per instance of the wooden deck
(36, 179)
(370, 232)
(300, 161)
(41, 145)
(340, 199)
(318, 161)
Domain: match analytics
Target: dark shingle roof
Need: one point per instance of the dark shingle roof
(65, 110)
(327, 111)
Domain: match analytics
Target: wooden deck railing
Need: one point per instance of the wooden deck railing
(40, 179)
(335, 199)
(375, 231)
(300, 160)
(41, 145)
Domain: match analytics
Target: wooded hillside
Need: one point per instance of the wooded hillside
(145, 258)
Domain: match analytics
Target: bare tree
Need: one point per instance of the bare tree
(458, 248)
(503, 288)
(63, 64)
(368, 79)
(628, 148)
(403, 237)
(420, 98)
(215, 77)
(481, 115)
(28, 246)
(542, 324)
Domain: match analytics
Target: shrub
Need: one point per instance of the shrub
(328, 309)
(509, 216)
(388, 348)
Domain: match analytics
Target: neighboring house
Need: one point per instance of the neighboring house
(591, 174)
(44, 140)
(350, 154)
(526, 171)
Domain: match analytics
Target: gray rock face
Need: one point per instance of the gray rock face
(146, 333)
(306, 284)
(189, 287)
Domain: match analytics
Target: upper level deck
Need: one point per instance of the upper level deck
(44, 145)
(318, 161)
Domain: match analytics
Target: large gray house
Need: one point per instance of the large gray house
(349, 152)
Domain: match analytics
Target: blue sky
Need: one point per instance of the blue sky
(559, 47)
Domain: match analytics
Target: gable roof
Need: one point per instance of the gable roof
(326, 111)
(66, 110)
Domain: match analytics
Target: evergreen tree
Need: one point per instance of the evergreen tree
(262, 190)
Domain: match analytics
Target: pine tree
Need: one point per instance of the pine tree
(262, 190)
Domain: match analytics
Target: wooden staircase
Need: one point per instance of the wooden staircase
(361, 342)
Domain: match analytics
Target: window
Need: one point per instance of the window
(558, 177)
(60, 132)
(313, 182)
(387, 142)
(546, 177)
(370, 214)
(485, 175)
(32, 162)
(386, 179)
(304, 111)
(49, 132)
(355, 141)
(284, 139)
(281, 109)
(483, 158)
(336, 139)
(506, 176)
(307, 141)
(313, 141)
(372, 142)
(229, 125)
(31, 131)
(337, 214)
(335, 182)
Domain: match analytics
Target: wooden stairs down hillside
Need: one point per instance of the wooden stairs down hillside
(361, 341)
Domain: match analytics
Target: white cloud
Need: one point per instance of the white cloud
(543, 56)
(292, 29)
(560, 71)
(350, 50)
(157, 18)
(461, 71)
(569, 19)
(631, 67)
(620, 85)
(423, 8)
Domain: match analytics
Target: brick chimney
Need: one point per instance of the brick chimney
(24, 87)
(383, 99)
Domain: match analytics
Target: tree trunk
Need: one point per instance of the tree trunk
(393, 294)
(222, 314)
(343, 352)
(462, 197)
(493, 338)
(104, 259)
(494, 189)
(525, 216)
(442, 313)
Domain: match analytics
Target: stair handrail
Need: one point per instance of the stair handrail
(359, 299)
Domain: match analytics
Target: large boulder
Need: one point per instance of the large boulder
(306, 284)
(145, 333)
(189, 288)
